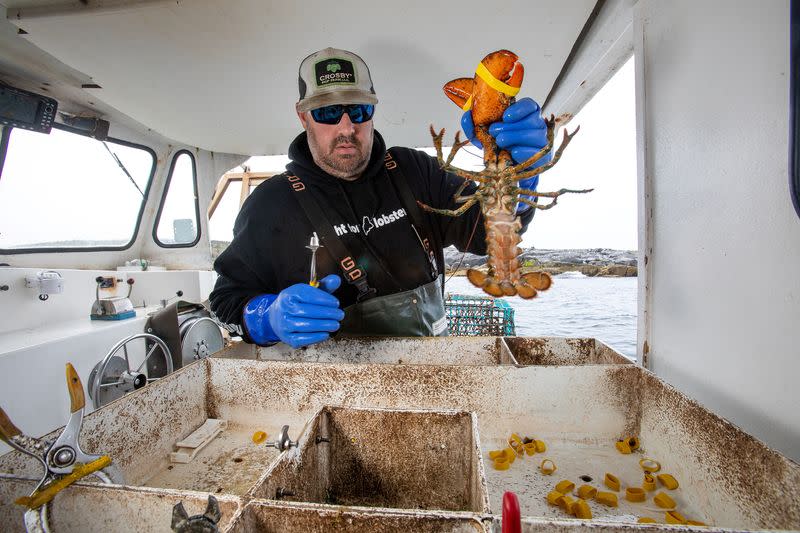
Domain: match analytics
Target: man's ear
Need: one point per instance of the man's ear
(302, 117)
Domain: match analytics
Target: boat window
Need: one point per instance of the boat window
(178, 220)
(64, 191)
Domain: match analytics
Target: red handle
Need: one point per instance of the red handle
(511, 518)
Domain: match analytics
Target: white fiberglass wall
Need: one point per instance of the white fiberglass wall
(722, 315)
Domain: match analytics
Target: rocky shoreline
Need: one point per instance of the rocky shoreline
(591, 262)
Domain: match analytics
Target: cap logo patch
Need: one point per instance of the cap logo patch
(335, 71)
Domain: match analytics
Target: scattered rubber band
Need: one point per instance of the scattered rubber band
(511, 455)
(668, 481)
(541, 447)
(548, 470)
(635, 494)
(553, 497)
(647, 520)
(515, 442)
(649, 482)
(611, 481)
(529, 447)
(633, 442)
(674, 517)
(565, 486)
(650, 465)
(587, 492)
(581, 509)
(695, 523)
(664, 501)
(623, 447)
(494, 454)
(501, 463)
(259, 437)
(565, 502)
(606, 498)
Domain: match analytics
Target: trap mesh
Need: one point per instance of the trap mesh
(478, 315)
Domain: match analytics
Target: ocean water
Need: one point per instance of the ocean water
(575, 306)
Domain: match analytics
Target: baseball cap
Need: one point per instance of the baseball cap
(333, 76)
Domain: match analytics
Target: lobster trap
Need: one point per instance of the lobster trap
(479, 315)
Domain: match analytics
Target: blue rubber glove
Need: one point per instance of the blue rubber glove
(299, 315)
(522, 132)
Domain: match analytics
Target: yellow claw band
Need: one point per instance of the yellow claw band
(668, 481)
(581, 509)
(649, 482)
(587, 492)
(259, 437)
(635, 494)
(623, 447)
(664, 501)
(468, 105)
(49, 491)
(606, 498)
(565, 502)
(611, 481)
(553, 497)
(647, 520)
(674, 517)
(565, 486)
(501, 463)
(650, 465)
(484, 74)
(530, 448)
(548, 467)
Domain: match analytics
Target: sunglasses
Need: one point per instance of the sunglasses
(332, 114)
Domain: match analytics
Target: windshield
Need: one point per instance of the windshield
(68, 191)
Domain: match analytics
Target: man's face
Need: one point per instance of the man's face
(342, 149)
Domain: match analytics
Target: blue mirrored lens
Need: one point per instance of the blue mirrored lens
(332, 114)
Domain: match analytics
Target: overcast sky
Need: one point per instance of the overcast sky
(602, 156)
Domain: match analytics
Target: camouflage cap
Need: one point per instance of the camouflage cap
(333, 76)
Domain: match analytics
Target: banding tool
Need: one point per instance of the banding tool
(314, 245)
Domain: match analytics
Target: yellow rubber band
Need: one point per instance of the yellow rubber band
(623, 447)
(541, 447)
(501, 464)
(467, 106)
(494, 454)
(668, 481)
(587, 492)
(565, 486)
(581, 509)
(674, 517)
(530, 448)
(48, 492)
(635, 494)
(565, 502)
(553, 497)
(259, 437)
(649, 482)
(650, 465)
(611, 481)
(606, 498)
(664, 501)
(484, 74)
(548, 470)
(647, 520)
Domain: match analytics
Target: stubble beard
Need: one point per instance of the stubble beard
(344, 166)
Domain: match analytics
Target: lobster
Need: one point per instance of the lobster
(497, 80)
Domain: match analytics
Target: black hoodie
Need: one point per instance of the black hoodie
(269, 254)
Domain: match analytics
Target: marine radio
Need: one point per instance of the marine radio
(26, 110)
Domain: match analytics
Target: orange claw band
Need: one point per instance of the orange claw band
(611, 481)
(548, 467)
(650, 465)
(606, 498)
(668, 481)
(635, 494)
(649, 482)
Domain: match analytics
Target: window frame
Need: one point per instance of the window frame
(164, 198)
(4, 143)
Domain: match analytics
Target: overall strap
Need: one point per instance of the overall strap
(352, 273)
(398, 179)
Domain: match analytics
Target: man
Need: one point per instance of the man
(343, 185)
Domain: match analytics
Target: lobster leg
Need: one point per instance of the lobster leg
(547, 166)
(449, 212)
